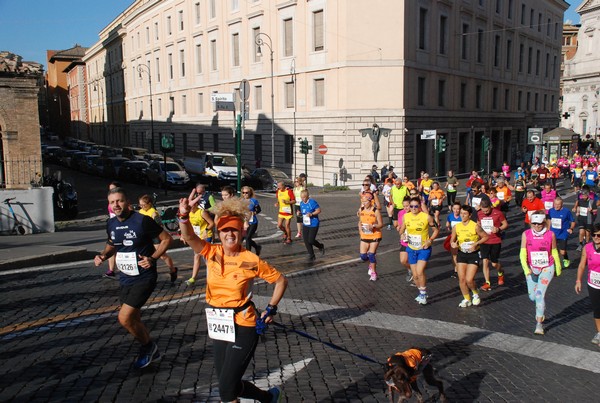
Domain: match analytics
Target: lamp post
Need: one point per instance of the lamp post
(100, 106)
(146, 69)
(293, 73)
(260, 42)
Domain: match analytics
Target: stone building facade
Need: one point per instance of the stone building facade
(468, 69)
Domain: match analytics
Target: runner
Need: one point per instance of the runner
(416, 224)
(520, 186)
(540, 261)
(561, 222)
(310, 210)
(436, 201)
(467, 236)
(451, 188)
(577, 177)
(110, 273)
(548, 195)
(147, 209)
(504, 194)
(585, 210)
(493, 223)
(451, 221)
(231, 314)
(403, 243)
(476, 197)
(130, 236)
(590, 256)
(298, 188)
(387, 198)
(203, 226)
(370, 223)
(252, 222)
(285, 201)
(425, 187)
(398, 194)
(530, 205)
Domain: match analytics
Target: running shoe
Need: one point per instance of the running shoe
(287, 241)
(539, 328)
(485, 287)
(566, 263)
(322, 250)
(500, 279)
(298, 235)
(370, 271)
(596, 339)
(146, 357)
(422, 299)
(409, 276)
(580, 248)
(476, 299)
(389, 227)
(454, 274)
(464, 303)
(191, 281)
(174, 275)
(373, 276)
(110, 274)
(276, 393)
(258, 249)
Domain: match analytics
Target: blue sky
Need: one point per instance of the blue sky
(29, 28)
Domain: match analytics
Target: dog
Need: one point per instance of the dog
(402, 370)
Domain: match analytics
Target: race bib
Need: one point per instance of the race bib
(415, 241)
(366, 228)
(519, 188)
(306, 220)
(500, 195)
(594, 279)
(467, 247)
(426, 189)
(435, 202)
(548, 205)
(127, 263)
(196, 230)
(450, 188)
(590, 177)
(556, 223)
(220, 324)
(542, 176)
(453, 223)
(286, 209)
(487, 224)
(583, 211)
(539, 259)
(476, 202)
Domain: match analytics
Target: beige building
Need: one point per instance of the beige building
(581, 80)
(467, 69)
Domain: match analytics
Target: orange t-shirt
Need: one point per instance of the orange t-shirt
(436, 194)
(366, 217)
(535, 205)
(229, 280)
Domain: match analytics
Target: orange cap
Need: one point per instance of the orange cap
(230, 221)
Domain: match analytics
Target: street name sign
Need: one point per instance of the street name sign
(222, 97)
(428, 134)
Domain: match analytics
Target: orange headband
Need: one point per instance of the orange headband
(230, 221)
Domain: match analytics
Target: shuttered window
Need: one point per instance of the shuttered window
(318, 33)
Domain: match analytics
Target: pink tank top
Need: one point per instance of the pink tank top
(539, 251)
(400, 221)
(593, 263)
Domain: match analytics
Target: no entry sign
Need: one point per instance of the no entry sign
(322, 149)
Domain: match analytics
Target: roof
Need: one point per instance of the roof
(74, 53)
(562, 133)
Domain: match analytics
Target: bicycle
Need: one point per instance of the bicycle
(17, 228)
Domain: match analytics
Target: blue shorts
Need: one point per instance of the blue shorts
(416, 255)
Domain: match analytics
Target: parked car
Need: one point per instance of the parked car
(134, 153)
(87, 165)
(112, 166)
(216, 169)
(50, 154)
(77, 159)
(70, 143)
(133, 171)
(65, 158)
(176, 175)
(267, 178)
(97, 149)
(156, 157)
(110, 152)
(85, 145)
(97, 167)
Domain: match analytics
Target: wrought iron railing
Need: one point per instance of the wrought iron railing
(21, 173)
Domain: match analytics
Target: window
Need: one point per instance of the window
(523, 14)
(318, 32)
(156, 31)
(213, 54)
(464, 41)
(531, 14)
(289, 95)
(539, 22)
(547, 65)
(537, 62)
(548, 25)
(528, 101)
(235, 5)
(552, 103)
(443, 34)
(172, 106)
(319, 92)
(506, 99)
(255, 32)
(159, 109)
(511, 5)
(147, 35)
(463, 95)
(584, 126)
(479, 46)
(182, 62)
(498, 6)
(212, 9)
(258, 104)
(554, 68)
(478, 96)
(288, 37)
(520, 100)
(535, 102)
(497, 51)
(529, 59)
(288, 149)
(169, 31)
(197, 13)
(441, 93)
(180, 20)
(421, 91)
(508, 54)
(521, 55)
(170, 62)
(422, 28)
(235, 48)
(495, 98)
(200, 102)
(184, 104)
(545, 106)
(198, 58)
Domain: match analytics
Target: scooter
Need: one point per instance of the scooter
(17, 228)
(66, 198)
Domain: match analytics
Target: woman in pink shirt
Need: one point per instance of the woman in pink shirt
(590, 256)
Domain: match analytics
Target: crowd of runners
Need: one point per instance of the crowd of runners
(418, 210)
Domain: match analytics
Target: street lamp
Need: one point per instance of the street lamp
(293, 73)
(100, 106)
(146, 69)
(260, 42)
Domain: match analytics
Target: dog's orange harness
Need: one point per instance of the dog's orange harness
(413, 359)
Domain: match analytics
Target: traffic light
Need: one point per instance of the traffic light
(486, 145)
(441, 144)
(167, 143)
(304, 147)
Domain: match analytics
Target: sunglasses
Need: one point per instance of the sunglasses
(537, 223)
(366, 184)
(596, 235)
(414, 206)
(245, 193)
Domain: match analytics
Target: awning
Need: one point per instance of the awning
(560, 134)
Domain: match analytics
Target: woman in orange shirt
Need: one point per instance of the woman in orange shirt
(436, 199)
(231, 315)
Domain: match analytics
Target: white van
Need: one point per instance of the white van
(213, 168)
